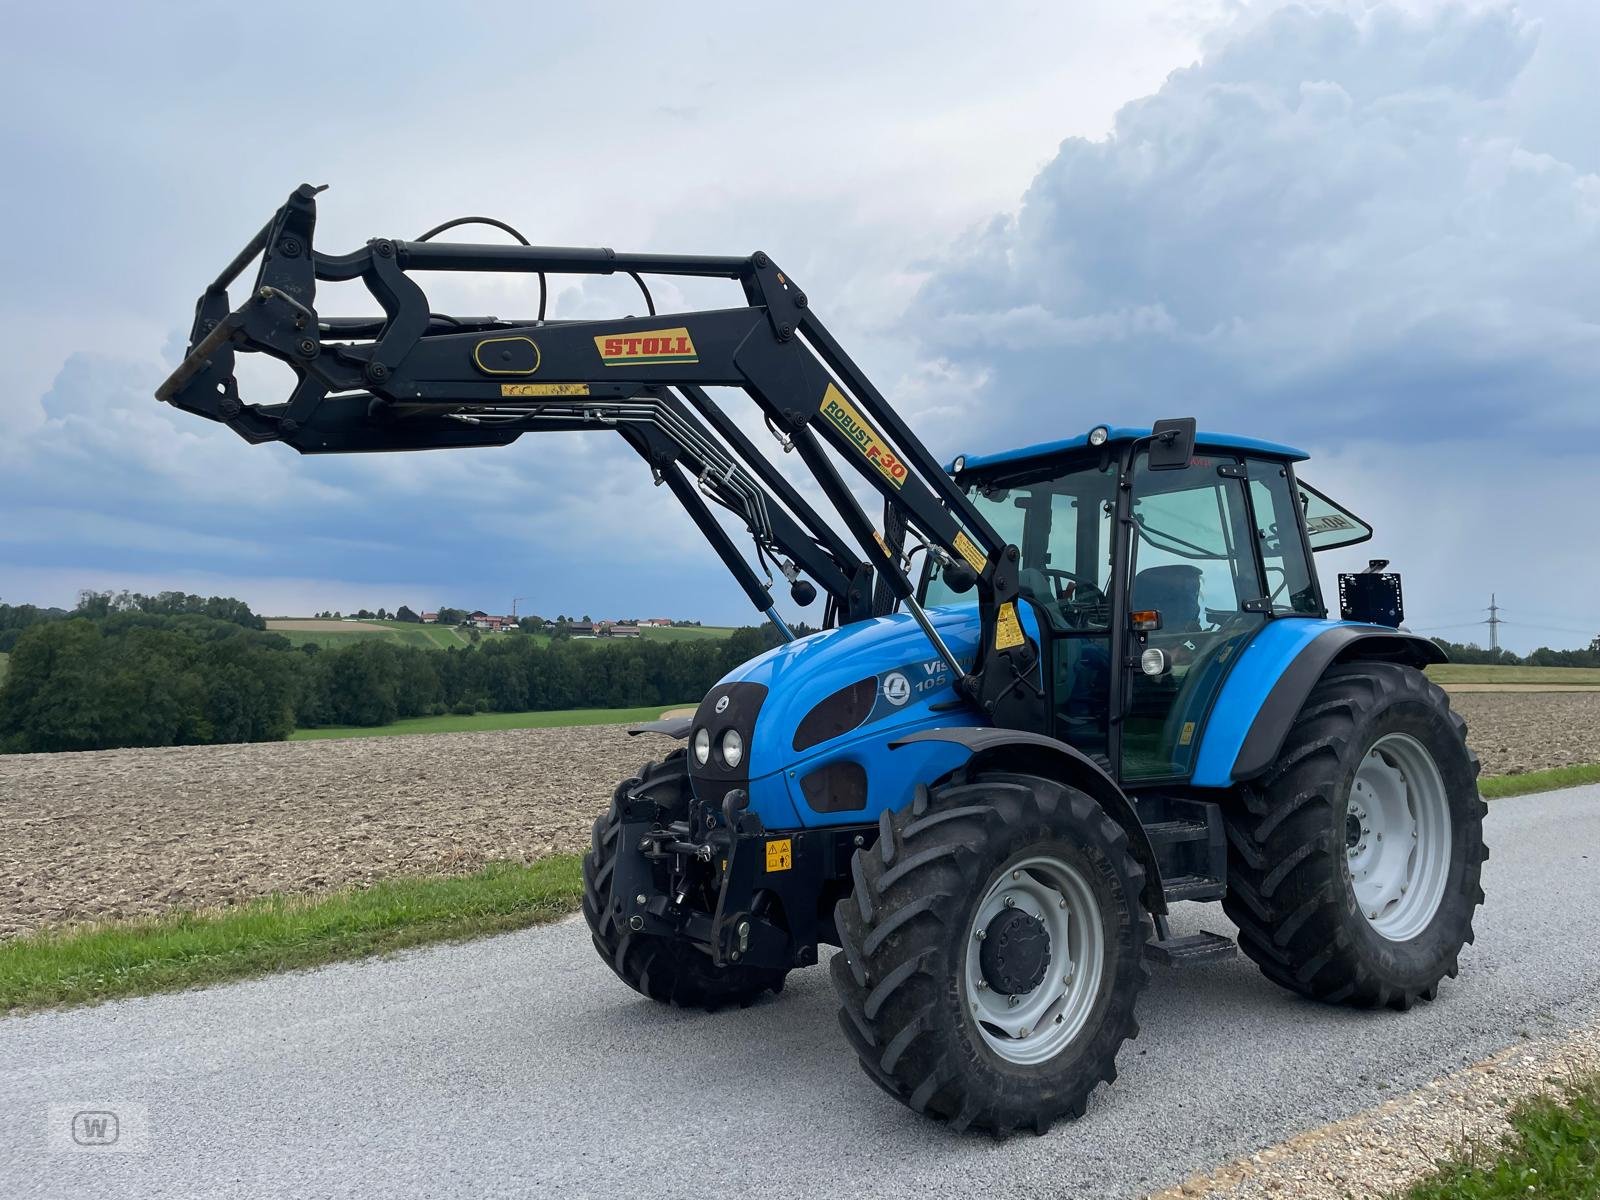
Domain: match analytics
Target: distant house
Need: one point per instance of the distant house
(482, 620)
(619, 630)
(658, 622)
(581, 629)
(430, 618)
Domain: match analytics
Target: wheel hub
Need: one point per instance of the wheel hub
(1015, 953)
(1035, 958)
(1397, 837)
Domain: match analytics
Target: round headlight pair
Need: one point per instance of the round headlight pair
(732, 747)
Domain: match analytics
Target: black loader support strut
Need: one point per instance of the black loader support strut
(418, 380)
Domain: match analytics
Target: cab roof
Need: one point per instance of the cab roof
(1127, 433)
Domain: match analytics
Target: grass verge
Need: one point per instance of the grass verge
(1552, 1152)
(187, 949)
(1490, 673)
(487, 722)
(1495, 787)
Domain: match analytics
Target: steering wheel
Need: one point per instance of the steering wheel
(1081, 601)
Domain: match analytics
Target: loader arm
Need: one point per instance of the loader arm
(416, 380)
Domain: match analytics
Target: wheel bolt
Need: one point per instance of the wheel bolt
(981, 934)
(1011, 902)
(1023, 1032)
(1016, 874)
(1062, 904)
(639, 899)
(983, 985)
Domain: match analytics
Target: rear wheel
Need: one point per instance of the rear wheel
(670, 970)
(993, 952)
(1354, 865)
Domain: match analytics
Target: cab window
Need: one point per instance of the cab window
(1290, 586)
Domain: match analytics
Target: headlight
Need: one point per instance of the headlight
(1098, 435)
(732, 748)
(702, 745)
(1154, 662)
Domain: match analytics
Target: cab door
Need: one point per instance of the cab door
(1191, 559)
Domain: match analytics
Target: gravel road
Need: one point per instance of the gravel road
(119, 833)
(518, 1065)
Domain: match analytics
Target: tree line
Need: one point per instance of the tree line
(128, 670)
(1544, 656)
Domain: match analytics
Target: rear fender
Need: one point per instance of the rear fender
(1269, 686)
(1035, 754)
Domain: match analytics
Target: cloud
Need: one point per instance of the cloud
(1329, 219)
(1328, 231)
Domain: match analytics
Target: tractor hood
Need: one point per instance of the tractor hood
(838, 696)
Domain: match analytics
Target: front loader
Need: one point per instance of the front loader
(1058, 689)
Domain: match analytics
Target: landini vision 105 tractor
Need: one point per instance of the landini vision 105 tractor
(1058, 688)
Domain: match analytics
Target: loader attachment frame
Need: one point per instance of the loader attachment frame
(417, 380)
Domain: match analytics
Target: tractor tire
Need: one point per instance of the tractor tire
(665, 969)
(942, 943)
(1325, 907)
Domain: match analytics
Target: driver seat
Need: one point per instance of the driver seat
(1173, 591)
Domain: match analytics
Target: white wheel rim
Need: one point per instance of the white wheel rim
(1034, 1027)
(1397, 837)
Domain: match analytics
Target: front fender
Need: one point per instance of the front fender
(1268, 686)
(1035, 754)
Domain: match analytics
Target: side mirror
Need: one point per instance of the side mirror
(1172, 444)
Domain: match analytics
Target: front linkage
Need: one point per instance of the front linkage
(416, 380)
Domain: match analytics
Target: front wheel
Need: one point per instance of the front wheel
(992, 952)
(1354, 867)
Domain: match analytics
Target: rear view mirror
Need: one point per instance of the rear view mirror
(1172, 444)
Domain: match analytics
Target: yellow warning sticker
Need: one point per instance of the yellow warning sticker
(544, 389)
(1008, 630)
(968, 549)
(1187, 735)
(780, 855)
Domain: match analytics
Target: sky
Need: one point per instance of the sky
(1367, 229)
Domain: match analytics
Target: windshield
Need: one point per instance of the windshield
(1062, 526)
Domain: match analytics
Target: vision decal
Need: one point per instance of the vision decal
(544, 389)
(854, 426)
(653, 347)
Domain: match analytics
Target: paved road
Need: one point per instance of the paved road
(518, 1065)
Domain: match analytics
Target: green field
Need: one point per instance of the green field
(489, 722)
(403, 633)
(1485, 673)
(310, 631)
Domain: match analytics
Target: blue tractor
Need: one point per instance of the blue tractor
(1057, 689)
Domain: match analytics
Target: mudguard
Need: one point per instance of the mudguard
(1275, 673)
(1033, 753)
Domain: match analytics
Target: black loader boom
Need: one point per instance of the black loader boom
(416, 379)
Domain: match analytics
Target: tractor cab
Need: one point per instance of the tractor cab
(1148, 573)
